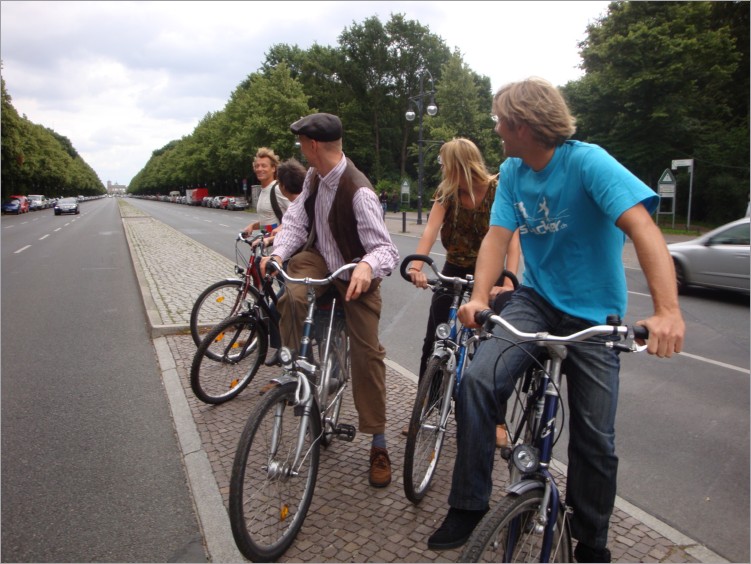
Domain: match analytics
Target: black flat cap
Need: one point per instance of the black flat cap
(321, 127)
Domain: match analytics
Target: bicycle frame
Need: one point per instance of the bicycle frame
(543, 405)
(303, 368)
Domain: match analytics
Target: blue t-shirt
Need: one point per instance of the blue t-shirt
(566, 214)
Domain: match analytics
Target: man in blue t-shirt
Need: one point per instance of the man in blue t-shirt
(573, 204)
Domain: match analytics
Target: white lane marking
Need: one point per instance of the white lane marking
(22, 249)
(58, 229)
(43, 237)
(222, 225)
(716, 363)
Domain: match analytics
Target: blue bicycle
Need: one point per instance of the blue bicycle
(431, 413)
(531, 524)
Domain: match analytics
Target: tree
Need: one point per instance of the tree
(659, 85)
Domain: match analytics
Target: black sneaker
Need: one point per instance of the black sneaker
(455, 529)
(584, 553)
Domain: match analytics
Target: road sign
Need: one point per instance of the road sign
(667, 177)
(682, 162)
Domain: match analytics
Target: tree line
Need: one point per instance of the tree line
(38, 160)
(662, 81)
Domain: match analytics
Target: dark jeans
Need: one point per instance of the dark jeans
(592, 381)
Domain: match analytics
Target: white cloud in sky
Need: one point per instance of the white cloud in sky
(121, 79)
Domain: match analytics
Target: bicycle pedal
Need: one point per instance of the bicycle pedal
(506, 452)
(345, 432)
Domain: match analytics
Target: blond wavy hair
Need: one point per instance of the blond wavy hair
(461, 159)
(540, 105)
(265, 152)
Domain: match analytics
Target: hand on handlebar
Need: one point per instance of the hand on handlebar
(418, 278)
(666, 333)
(274, 267)
(468, 311)
(360, 281)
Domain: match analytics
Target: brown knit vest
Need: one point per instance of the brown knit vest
(342, 220)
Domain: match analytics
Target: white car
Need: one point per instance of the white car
(718, 259)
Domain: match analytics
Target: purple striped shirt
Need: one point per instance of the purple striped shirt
(380, 252)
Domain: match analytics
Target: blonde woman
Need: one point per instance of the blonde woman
(461, 214)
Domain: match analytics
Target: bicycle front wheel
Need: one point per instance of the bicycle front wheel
(510, 533)
(216, 303)
(272, 481)
(228, 358)
(427, 429)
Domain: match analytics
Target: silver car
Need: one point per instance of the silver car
(718, 259)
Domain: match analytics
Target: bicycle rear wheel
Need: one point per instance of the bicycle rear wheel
(427, 428)
(228, 358)
(216, 303)
(335, 375)
(269, 497)
(509, 533)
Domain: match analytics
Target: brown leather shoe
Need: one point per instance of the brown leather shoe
(380, 467)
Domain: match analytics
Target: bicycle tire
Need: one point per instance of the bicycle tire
(228, 358)
(425, 438)
(338, 368)
(268, 500)
(489, 539)
(216, 303)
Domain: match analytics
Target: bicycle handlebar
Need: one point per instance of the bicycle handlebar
(630, 332)
(313, 281)
(445, 279)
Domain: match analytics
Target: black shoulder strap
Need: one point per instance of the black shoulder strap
(275, 204)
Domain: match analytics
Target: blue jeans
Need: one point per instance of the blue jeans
(592, 380)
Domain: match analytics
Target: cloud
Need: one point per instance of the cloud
(121, 79)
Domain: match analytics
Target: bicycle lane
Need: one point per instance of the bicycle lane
(348, 520)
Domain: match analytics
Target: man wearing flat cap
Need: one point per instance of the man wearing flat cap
(338, 218)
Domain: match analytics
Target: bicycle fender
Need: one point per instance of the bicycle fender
(523, 486)
(283, 379)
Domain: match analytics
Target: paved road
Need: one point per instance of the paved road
(91, 469)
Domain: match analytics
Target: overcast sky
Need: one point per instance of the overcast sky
(121, 79)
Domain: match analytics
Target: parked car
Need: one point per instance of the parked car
(37, 202)
(224, 203)
(718, 259)
(67, 205)
(216, 201)
(206, 201)
(237, 203)
(16, 205)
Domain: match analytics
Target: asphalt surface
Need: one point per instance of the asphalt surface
(348, 521)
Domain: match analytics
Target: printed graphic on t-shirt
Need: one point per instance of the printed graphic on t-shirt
(543, 222)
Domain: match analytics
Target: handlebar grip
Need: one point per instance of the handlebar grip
(408, 259)
(481, 317)
(511, 276)
(640, 332)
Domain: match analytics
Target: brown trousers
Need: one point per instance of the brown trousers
(366, 353)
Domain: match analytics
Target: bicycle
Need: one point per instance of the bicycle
(531, 523)
(439, 384)
(229, 355)
(229, 297)
(276, 463)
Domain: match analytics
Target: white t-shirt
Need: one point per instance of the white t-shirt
(264, 208)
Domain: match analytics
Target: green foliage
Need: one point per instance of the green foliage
(37, 160)
(664, 81)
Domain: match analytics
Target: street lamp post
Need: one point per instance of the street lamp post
(432, 110)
